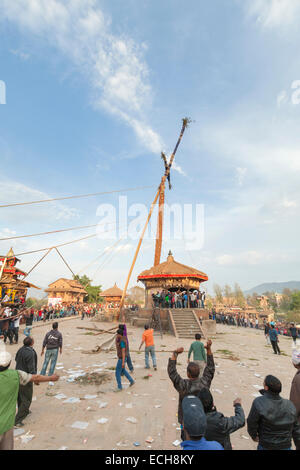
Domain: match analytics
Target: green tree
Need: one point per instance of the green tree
(93, 292)
(295, 301)
(285, 304)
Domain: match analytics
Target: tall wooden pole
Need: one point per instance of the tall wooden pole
(136, 253)
(185, 123)
(160, 217)
(160, 221)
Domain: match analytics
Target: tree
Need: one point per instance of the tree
(253, 301)
(35, 303)
(295, 301)
(239, 296)
(136, 295)
(285, 303)
(228, 294)
(93, 292)
(218, 293)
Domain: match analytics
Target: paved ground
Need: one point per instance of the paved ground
(152, 401)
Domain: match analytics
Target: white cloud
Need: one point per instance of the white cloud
(282, 98)
(22, 55)
(113, 65)
(274, 13)
(13, 192)
(240, 175)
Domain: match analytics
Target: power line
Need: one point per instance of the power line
(61, 244)
(74, 197)
(55, 231)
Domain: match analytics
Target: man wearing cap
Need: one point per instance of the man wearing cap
(194, 424)
(194, 383)
(272, 421)
(295, 388)
(10, 380)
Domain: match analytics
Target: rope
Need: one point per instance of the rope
(64, 261)
(37, 264)
(74, 197)
(55, 231)
(62, 244)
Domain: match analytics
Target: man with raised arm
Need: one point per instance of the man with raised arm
(194, 383)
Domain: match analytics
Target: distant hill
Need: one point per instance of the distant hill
(273, 287)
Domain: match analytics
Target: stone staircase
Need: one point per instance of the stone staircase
(185, 323)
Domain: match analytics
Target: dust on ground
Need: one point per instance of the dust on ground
(106, 419)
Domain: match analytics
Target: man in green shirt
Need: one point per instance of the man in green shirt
(198, 350)
(10, 380)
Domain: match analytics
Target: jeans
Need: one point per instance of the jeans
(122, 371)
(129, 362)
(27, 330)
(51, 354)
(151, 350)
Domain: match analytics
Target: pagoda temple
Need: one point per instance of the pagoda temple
(112, 295)
(171, 276)
(10, 282)
(65, 291)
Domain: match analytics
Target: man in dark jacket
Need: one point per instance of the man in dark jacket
(193, 383)
(26, 360)
(219, 427)
(295, 388)
(272, 421)
(52, 342)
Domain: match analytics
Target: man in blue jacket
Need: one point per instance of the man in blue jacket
(274, 339)
(194, 422)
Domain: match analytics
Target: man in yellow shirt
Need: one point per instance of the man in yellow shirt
(147, 338)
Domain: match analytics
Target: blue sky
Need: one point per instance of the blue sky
(96, 89)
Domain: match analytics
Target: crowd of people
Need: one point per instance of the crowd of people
(179, 299)
(273, 422)
(251, 321)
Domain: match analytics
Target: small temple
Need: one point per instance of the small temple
(172, 276)
(65, 291)
(112, 295)
(10, 282)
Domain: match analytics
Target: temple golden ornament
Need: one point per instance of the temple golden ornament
(11, 283)
(171, 276)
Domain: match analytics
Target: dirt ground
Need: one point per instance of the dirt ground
(242, 361)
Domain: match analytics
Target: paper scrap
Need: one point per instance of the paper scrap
(72, 400)
(60, 396)
(131, 419)
(102, 420)
(80, 425)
